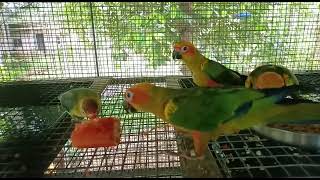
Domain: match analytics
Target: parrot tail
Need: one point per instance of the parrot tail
(281, 93)
(290, 101)
(303, 113)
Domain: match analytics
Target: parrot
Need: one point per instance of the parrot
(207, 113)
(81, 103)
(206, 72)
(270, 76)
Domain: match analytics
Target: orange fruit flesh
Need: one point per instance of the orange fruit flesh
(98, 132)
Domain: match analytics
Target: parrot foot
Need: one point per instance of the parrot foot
(185, 156)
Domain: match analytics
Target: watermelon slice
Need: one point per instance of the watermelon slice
(98, 132)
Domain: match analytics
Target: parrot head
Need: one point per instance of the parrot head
(184, 50)
(138, 97)
(128, 107)
(90, 108)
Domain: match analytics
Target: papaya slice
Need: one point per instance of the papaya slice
(97, 132)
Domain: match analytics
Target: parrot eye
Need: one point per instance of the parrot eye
(129, 95)
(184, 48)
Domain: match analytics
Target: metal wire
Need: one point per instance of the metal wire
(245, 154)
(31, 131)
(130, 42)
(135, 156)
(64, 40)
(248, 154)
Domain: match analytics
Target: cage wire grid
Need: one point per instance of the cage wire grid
(248, 154)
(136, 155)
(136, 152)
(31, 123)
(245, 154)
(117, 39)
(123, 40)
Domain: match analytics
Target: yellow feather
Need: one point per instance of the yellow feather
(248, 82)
(170, 108)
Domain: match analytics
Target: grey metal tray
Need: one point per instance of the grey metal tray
(305, 140)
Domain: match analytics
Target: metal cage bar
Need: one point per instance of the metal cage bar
(50, 47)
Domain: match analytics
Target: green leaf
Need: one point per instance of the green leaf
(150, 31)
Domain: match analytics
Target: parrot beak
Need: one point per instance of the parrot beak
(128, 107)
(176, 55)
(92, 116)
(90, 108)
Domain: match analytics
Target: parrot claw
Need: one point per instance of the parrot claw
(185, 156)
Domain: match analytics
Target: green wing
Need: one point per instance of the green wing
(204, 109)
(67, 100)
(222, 74)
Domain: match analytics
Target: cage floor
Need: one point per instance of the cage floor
(136, 156)
(248, 154)
(32, 126)
(40, 93)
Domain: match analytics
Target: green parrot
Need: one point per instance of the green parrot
(207, 113)
(81, 103)
(205, 72)
(270, 76)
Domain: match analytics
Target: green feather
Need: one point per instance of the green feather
(72, 99)
(222, 74)
(206, 109)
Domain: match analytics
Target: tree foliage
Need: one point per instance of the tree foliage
(232, 33)
(241, 32)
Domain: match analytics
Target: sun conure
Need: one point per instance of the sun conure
(81, 103)
(270, 76)
(207, 113)
(205, 72)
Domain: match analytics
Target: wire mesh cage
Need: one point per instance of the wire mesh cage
(250, 154)
(48, 48)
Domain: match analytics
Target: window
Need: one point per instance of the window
(40, 42)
